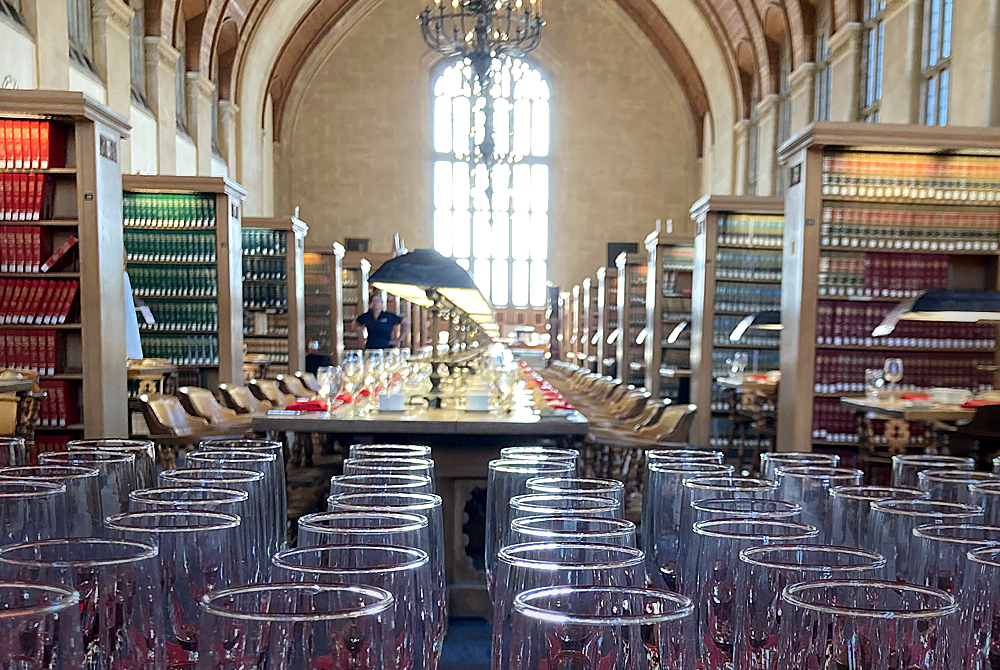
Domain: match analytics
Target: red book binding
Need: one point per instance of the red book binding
(35, 151)
(58, 254)
(68, 303)
(18, 147)
(8, 138)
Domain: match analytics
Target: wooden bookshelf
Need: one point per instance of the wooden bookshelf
(274, 321)
(630, 350)
(875, 213)
(737, 249)
(354, 282)
(607, 318)
(82, 199)
(591, 324)
(164, 206)
(669, 267)
(324, 296)
(565, 327)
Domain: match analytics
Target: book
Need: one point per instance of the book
(18, 151)
(58, 255)
(34, 130)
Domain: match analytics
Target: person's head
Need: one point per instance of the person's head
(375, 301)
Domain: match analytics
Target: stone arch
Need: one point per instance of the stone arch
(224, 52)
(775, 31)
(748, 72)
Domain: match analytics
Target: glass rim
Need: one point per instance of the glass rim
(383, 603)
(112, 443)
(827, 473)
(790, 594)
(853, 492)
(102, 456)
(524, 525)
(989, 486)
(222, 521)
(630, 556)
(682, 454)
(416, 559)
(548, 485)
(684, 606)
(11, 439)
(924, 531)
(420, 501)
(82, 472)
(753, 556)
(413, 522)
(706, 504)
(66, 599)
(708, 529)
(43, 488)
(958, 476)
(418, 450)
(535, 501)
(958, 510)
(985, 555)
(413, 461)
(528, 466)
(742, 483)
(226, 496)
(529, 450)
(245, 444)
(232, 475)
(233, 456)
(793, 456)
(919, 459)
(142, 552)
(711, 468)
(398, 481)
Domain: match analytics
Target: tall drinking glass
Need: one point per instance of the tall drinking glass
(810, 486)
(600, 627)
(763, 574)
(536, 504)
(375, 483)
(716, 592)
(875, 625)
(851, 510)
(121, 595)
(980, 601)
(952, 485)
(31, 510)
(708, 509)
(423, 467)
(353, 367)
(662, 507)
(506, 479)
(772, 460)
(116, 468)
(291, 626)
(82, 514)
(685, 456)
(37, 622)
(892, 523)
(12, 452)
(892, 372)
(360, 451)
(906, 466)
(199, 552)
(367, 528)
(403, 572)
(143, 450)
(526, 566)
(578, 486)
(555, 453)
(572, 529)
(985, 495)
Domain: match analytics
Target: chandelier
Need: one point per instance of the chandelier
(482, 30)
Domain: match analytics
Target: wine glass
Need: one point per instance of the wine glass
(393, 364)
(323, 379)
(374, 380)
(892, 371)
(353, 368)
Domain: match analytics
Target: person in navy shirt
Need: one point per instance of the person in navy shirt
(380, 326)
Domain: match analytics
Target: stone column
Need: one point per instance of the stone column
(199, 122)
(767, 145)
(845, 72)
(741, 150)
(975, 64)
(802, 85)
(901, 62)
(228, 115)
(112, 21)
(161, 61)
(47, 22)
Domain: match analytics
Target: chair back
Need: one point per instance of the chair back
(293, 386)
(631, 405)
(674, 424)
(267, 389)
(200, 402)
(165, 415)
(240, 400)
(651, 413)
(308, 380)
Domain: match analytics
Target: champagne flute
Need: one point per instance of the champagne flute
(374, 374)
(393, 363)
(353, 368)
(892, 371)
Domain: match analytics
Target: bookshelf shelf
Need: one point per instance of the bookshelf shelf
(50, 223)
(633, 317)
(41, 326)
(216, 205)
(275, 246)
(324, 296)
(858, 182)
(723, 224)
(70, 428)
(607, 316)
(41, 275)
(669, 274)
(65, 171)
(357, 267)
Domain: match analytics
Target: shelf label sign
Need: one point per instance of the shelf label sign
(795, 174)
(109, 148)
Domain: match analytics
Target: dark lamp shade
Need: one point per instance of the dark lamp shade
(943, 305)
(766, 320)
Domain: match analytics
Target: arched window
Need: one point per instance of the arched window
(491, 214)
(824, 74)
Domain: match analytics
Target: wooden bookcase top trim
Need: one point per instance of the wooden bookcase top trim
(739, 204)
(285, 223)
(893, 138)
(159, 183)
(26, 104)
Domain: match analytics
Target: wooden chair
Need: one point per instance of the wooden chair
(308, 380)
(240, 400)
(202, 403)
(170, 426)
(267, 389)
(293, 386)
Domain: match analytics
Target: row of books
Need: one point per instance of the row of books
(61, 405)
(844, 371)
(766, 230)
(29, 249)
(840, 322)
(747, 264)
(170, 246)
(264, 268)
(179, 282)
(676, 359)
(175, 315)
(746, 298)
(723, 326)
(48, 442)
(183, 350)
(266, 325)
(262, 242)
(758, 360)
(37, 350)
(911, 176)
(270, 296)
(27, 144)
(677, 258)
(168, 210)
(25, 196)
(676, 282)
(36, 301)
(832, 422)
(890, 227)
(881, 275)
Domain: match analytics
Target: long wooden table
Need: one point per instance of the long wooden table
(464, 443)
